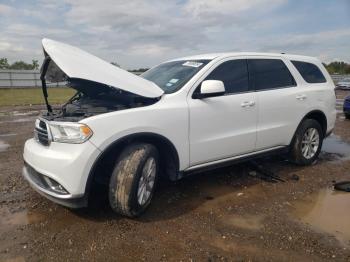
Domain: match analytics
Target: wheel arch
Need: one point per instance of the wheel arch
(102, 166)
(317, 115)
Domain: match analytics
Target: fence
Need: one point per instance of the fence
(31, 78)
(24, 79)
(337, 78)
(19, 78)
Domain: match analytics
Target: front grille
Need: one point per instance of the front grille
(41, 132)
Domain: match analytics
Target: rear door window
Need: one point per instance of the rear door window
(234, 74)
(310, 72)
(269, 74)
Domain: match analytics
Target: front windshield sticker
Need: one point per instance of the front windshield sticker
(173, 81)
(169, 84)
(192, 64)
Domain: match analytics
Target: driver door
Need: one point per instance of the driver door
(224, 126)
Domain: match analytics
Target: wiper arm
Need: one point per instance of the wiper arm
(43, 82)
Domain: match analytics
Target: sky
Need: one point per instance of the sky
(143, 33)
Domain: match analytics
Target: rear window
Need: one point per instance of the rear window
(310, 72)
(269, 74)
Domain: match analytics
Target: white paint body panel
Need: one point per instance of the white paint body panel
(202, 131)
(220, 127)
(76, 63)
(68, 164)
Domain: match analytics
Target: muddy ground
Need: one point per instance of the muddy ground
(230, 214)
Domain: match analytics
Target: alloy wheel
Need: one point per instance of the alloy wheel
(310, 143)
(146, 182)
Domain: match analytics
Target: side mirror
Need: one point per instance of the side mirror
(210, 88)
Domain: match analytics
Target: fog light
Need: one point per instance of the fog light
(54, 186)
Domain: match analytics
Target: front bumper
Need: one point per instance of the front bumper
(68, 165)
(67, 200)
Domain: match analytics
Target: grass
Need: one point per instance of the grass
(34, 96)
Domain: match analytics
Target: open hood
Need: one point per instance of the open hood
(78, 64)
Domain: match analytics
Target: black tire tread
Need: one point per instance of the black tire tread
(123, 178)
(295, 154)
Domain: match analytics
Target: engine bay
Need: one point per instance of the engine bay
(93, 99)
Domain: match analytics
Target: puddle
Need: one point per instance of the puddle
(327, 211)
(7, 135)
(19, 120)
(20, 218)
(15, 259)
(18, 113)
(250, 222)
(29, 113)
(336, 146)
(3, 146)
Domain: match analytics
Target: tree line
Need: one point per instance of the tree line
(336, 67)
(18, 65)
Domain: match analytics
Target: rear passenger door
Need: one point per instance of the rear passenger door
(277, 95)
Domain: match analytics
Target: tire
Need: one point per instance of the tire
(299, 153)
(347, 116)
(128, 183)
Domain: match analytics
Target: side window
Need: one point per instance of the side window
(234, 74)
(269, 74)
(310, 72)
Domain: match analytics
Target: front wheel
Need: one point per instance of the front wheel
(307, 143)
(133, 179)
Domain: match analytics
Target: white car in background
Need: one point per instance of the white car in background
(186, 115)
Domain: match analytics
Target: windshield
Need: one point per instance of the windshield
(171, 76)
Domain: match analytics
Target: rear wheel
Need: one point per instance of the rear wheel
(347, 116)
(307, 143)
(133, 179)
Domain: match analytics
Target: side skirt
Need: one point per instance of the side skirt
(232, 160)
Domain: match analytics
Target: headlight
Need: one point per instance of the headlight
(73, 133)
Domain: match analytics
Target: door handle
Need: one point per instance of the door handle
(247, 104)
(301, 97)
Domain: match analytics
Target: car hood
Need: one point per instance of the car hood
(78, 64)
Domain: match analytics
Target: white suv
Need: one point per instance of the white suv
(125, 131)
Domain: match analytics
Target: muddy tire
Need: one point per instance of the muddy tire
(133, 179)
(307, 143)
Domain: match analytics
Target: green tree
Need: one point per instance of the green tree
(115, 64)
(338, 67)
(35, 64)
(4, 63)
(20, 65)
